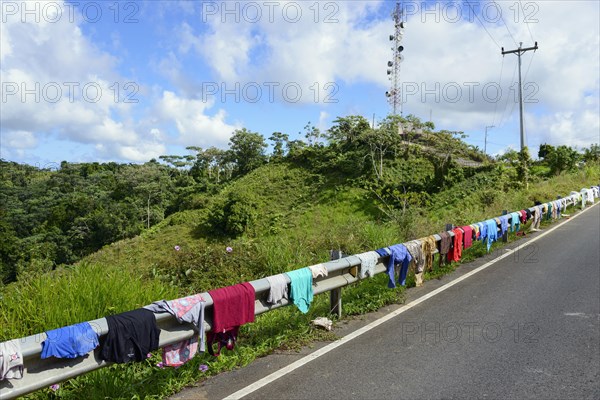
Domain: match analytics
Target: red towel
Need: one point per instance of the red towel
(232, 306)
(523, 216)
(468, 237)
(456, 252)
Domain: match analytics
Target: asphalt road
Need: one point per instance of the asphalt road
(527, 327)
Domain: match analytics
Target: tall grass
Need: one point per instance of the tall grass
(68, 296)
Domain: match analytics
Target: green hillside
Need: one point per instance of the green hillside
(360, 189)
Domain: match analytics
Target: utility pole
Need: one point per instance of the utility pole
(518, 52)
(485, 142)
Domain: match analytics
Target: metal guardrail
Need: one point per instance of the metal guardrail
(41, 373)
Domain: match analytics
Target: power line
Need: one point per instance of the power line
(529, 65)
(525, 20)
(527, 72)
(499, 84)
(483, 26)
(502, 18)
(512, 80)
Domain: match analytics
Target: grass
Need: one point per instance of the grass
(68, 296)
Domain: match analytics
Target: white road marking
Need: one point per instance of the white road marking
(324, 350)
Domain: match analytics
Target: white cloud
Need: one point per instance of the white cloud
(19, 140)
(60, 86)
(576, 129)
(194, 127)
(323, 124)
(305, 52)
(350, 52)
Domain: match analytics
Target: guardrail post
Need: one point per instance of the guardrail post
(335, 295)
(505, 234)
(335, 302)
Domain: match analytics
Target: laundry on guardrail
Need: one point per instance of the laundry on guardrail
(130, 336)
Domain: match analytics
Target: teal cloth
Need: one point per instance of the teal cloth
(515, 219)
(301, 290)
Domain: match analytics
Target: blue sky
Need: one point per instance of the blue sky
(130, 81)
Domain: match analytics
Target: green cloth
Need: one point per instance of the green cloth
(301, 290)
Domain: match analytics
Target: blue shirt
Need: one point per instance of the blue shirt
(70, 342)
(492, 232)
(482, 231)
(398, 253)
(301, 290)
(504, 223)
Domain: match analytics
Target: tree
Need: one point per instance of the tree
(544, 150)
(312, 134)
(177, 162)
(246, 151)
(347, 131)
(150, 186)
(592, 154)
(380, 141)
(523, 167)
(280, 141)
(559, 159)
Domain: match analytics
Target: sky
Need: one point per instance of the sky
(129, 81)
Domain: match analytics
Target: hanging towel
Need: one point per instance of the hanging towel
(467, 237)
(233, 306)
(445, 243)
(11, 360)
(523, 216)
(177, 354)
(504, 224)
(428, 246)
(279, 288)
(482, 230)
(492, 233)
(515, 221)
(318, 270)
(368, 261)
(301, 290)
(476, 230)
(416, 251)
(186, 309)
(537, 217)
(131, 336)
(398, 253)
(456, 252)
(70, 341)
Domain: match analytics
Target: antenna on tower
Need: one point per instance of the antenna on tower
(393, 94)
